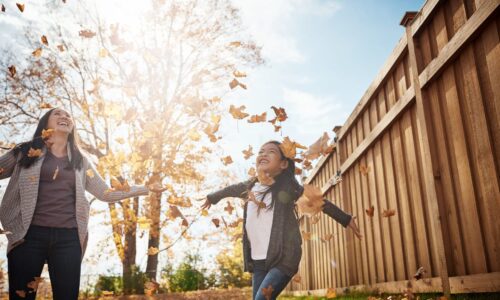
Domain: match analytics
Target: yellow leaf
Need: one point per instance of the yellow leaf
(289, 147)
(34, 152)
(330, 293)
(252, 172)
(248, 153)
(235, 44)
(120, 186)
(144, 223)
(47, 133)
(239, 74)
(204, 212)
(227, 160)
(264, 177)
(153, 251)
(90, 173)
(237, 112)
(107, 293)
(103, 52)
(45, 105)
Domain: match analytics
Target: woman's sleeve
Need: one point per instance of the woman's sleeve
(7, 164)
(334, 212)
(98, 187)
(238, 190)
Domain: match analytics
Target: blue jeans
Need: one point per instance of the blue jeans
(60, 248)
(262, 279)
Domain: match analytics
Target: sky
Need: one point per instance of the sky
(321, 56)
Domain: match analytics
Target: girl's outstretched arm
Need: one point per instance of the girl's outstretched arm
(238, 190)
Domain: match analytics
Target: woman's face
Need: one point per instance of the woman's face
(269, 160)
(60, 120)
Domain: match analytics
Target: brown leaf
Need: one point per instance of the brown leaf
(34, 284)
(86, 33)
(234, 83)
(229, 208)
(370, 211)
(21, 293)
(47, 133)
(268, 292)
(61, 48)
(289, 147)
(235, 44)
(306, 235)
(90, 173)
(296, 278)
(216, 222)
(257, 118)
(174, 213)
(12, 71)
(326, 238)
(3, 8)
(227, 160)
(264, 177)
(320, 147)
(237, 112)
(153, 251)
(248, 153)
(388, 213)
(239, 74)
(330, 293)
(364, 169)
(45, 41)
(311, 201)
(280, 115)
(20, 6)
(276, 128)
(37, 52)
(34, 152)
(45, 105)
(252, 172)
(185, 223)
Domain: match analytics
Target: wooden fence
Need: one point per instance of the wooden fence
(424, 140)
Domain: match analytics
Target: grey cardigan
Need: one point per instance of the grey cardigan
(19, 200)
(285, 245)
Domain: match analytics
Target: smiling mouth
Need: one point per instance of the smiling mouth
(265, 161)
(63, 124)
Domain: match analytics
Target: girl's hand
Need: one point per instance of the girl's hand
(206, 205)
(354, 227)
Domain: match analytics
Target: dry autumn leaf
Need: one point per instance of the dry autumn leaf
(12, 71)
(320, 147)
(34, 152)
(216, 222)
(257, 118)
(252, 172)
(289, 147)
(174, 213)
(227, 160)
(90, 173)
(103, 52)
(235, 44)
(44, 40)
(276, 128)
(326, 238)
(239, 74)
(107, 293)
(229, 208)
(388, 213)
(248, 152)
(118, 185)
(20, 6)
(153, 251)
(264, 177)
(60, 48)
(252, 198)
(370, 211)
(280, 115)
(364, 169)
(311, 201)
(144, 223)
(234, 83)
(306, 236)
(45, 105)
(297, 278)
(47, 133)
(330, 293)
(3, 8)
(86, 33)
(21, 293)
(237, 112)
(37, 52)
(268, 292)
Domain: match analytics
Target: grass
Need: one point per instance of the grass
(360, 296)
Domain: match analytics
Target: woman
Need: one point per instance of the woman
(271, 235)
(45, 209)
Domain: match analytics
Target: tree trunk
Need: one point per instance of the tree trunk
(154, 235)
(130, 246)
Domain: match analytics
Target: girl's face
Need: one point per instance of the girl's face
(60, 120)
(270, 161)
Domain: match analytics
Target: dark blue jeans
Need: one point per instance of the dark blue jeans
(60, 248)
(273, 278)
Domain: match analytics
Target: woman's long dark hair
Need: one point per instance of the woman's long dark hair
(283, 181)
(38, 143)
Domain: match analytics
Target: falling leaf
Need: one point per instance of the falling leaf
(56, 172)
(45, 105)
(364, 169)
(234, 83)
(144, 223)
(153, 251)
(45, 41)
(280, 115)
(12, 71)
(296, 278)
(268, 292)
(2, 231)
(320, 147)
(257, 118)
(330, 293)
(21, 293)
(103, 52)
(326, 238)
(239, 74)
(204, 212)
(3, 8)
(289, 147)
(388, 213)
(235, 44)
(298, 171)
(370, 211)
(252, 172)
(420, 273)
(315, 219)
(90, 173)
(194, 135)
(216, 222)
(252, 198)
(185, 223)
(229, 208)
(20, 6)
(86, 33)
(118, 185)
(311, 201)
(264, 177)
(34, 284)
(37, 52)
(248, 152)
(174, 213)
(236, 223)
(237, 112)
(227, 160)
(306, 235)
(47, 133)
(276, 128)
(61, 48)
(34, 152)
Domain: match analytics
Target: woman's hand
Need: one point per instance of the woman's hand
(352, 225)
(206, 205)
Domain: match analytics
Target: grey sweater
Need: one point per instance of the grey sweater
(285, 245)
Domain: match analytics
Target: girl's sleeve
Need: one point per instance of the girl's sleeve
(330, 209)
(98, 187)
(238, 190)
(7, 163)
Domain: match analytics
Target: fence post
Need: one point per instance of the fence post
(430, 188)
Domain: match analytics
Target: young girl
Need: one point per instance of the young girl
(271, 236)
(45, 209)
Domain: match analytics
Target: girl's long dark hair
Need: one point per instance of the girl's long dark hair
(38, 143)
(284, 181)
